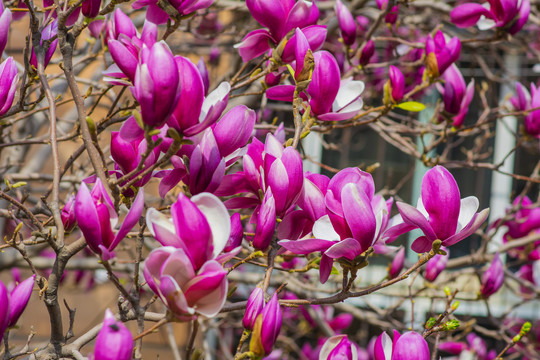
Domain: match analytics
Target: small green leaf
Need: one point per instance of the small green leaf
(335, 271)
(411, 106)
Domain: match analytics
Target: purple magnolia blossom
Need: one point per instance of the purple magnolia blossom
(440, 213)
(329, 97)
(157, 84)
(440, 54)
(436, 265)
(193, 113)
(266, 222)
(280, 17)
(127, 156)
(396, 84)
(409, 346)
(46, 34)
(525, 220)
(347, 25)
(338, 347)
(90, 8)
(392, 15)
(5, 22)
(267, 328)
(524, 101)
(355, 219)
(509, 15)
(96, 28)
(186, 290)
(68, 214)
(475, 347)
(184, 7)
(200, 226)
(96, 218)
(125, 45)
(397, 264)
(254, 307)
(219, 147)
(114, 341)
(9, 79)
(457, 96)
(266, 166)
(13, 303)
(367, 53)
(493, 278)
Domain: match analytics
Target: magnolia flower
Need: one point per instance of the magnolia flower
(184, 288)
(440, 54)
(254, 307)
(218, 147)
(267, 327)
(338, 347)
(440, 213)
(200, 226)
(96, 217)
(13, 303)
(127, 156)
(409, 346)
(114, 341)
(355, 219)
(395, 84)
(474, 348)
(525, 101)
(436, 265)
(392, 15)
(397, 264)
(367, 53)
(347, 25)
(266, 166)
(493, 278)
(525, 220)
(509, 15)
(125, 45)
(157, 84)
(46, 34)
(5, 22)
(330, 98)
(457, 96)
(68, 214)
(90, 8)
(9, 78)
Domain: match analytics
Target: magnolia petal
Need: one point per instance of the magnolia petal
(412, 216)
(348, 248)
(306, 246)
(218, 218)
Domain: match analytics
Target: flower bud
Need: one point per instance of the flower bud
(9, 78)
(346, 22)
(114, 341)
(68, 214)
(338, 348)
(493, 278)
(266, 328)
(255, 305)
(397, 264)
